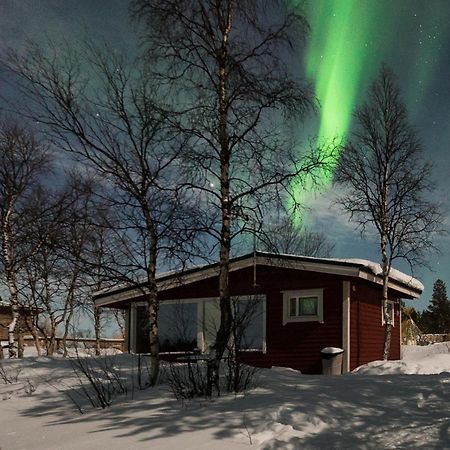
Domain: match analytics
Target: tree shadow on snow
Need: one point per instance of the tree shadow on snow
(288, 411)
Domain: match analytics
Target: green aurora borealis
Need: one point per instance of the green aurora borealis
(339, 61)
(349, 40)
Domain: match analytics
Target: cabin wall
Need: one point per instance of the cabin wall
(366, 327)
(298, 345)
(295, 345)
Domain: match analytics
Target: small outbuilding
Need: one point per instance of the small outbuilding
(292, 307)
(26, 316)
(25, 319)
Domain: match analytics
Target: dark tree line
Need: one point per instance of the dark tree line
(436, 318)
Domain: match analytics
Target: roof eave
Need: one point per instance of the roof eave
(409, 291)
(321, 266)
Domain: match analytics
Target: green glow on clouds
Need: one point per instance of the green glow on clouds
(341, 57)
(348, 42)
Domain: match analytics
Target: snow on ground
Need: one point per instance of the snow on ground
(380, 406)
(423, 360)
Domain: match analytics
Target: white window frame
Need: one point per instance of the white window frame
(287, 295)
(391, 303)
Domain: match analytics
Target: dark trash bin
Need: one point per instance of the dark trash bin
(331, 360)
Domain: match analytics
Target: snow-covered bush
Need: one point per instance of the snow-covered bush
(187, 380)
(100, 380)
(239, 377)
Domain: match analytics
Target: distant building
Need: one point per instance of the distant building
(25, 316)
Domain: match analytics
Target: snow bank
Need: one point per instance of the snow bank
(412, 352)
(30, 351)
(421, 360)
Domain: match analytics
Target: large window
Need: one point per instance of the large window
(303, 306)
(249, 319)
(187, 325)
(177, 326)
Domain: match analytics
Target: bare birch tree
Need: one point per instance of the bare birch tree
(23, 159)
(102, 108)
(388, 183)
(52, 279)
(228, 70)
(284, 236)
(97, 254)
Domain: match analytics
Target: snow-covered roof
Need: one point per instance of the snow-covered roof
(393, 274)
(373, 267)
(358, 268)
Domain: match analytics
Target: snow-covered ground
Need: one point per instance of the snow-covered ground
(402, 404)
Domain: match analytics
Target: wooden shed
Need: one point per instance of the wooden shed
(298, 306)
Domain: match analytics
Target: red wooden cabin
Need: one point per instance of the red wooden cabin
(296, 306)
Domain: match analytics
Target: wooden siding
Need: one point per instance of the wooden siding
(298, 345)
(366, 328)
(295, 345)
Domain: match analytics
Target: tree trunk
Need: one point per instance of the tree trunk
(12, 347)
(385, 304)
(37, 341)
(9, 268)
(152, 296)
(20, 342)
(223, 333)
(154, 338)
(385, 261)
(153, 307)
(97, 329)
(66, 330)
(51, 342)
(30, 325)
(69, 307)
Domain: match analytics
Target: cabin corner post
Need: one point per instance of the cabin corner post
(126, 337)
(346, 326)
(132, 328)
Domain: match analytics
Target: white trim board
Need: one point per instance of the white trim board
(346, 343)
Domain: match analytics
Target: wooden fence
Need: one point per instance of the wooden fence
(86, 343)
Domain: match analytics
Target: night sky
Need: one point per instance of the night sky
(349, 40)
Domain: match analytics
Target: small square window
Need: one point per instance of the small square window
(308, 306)
(303, 306)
